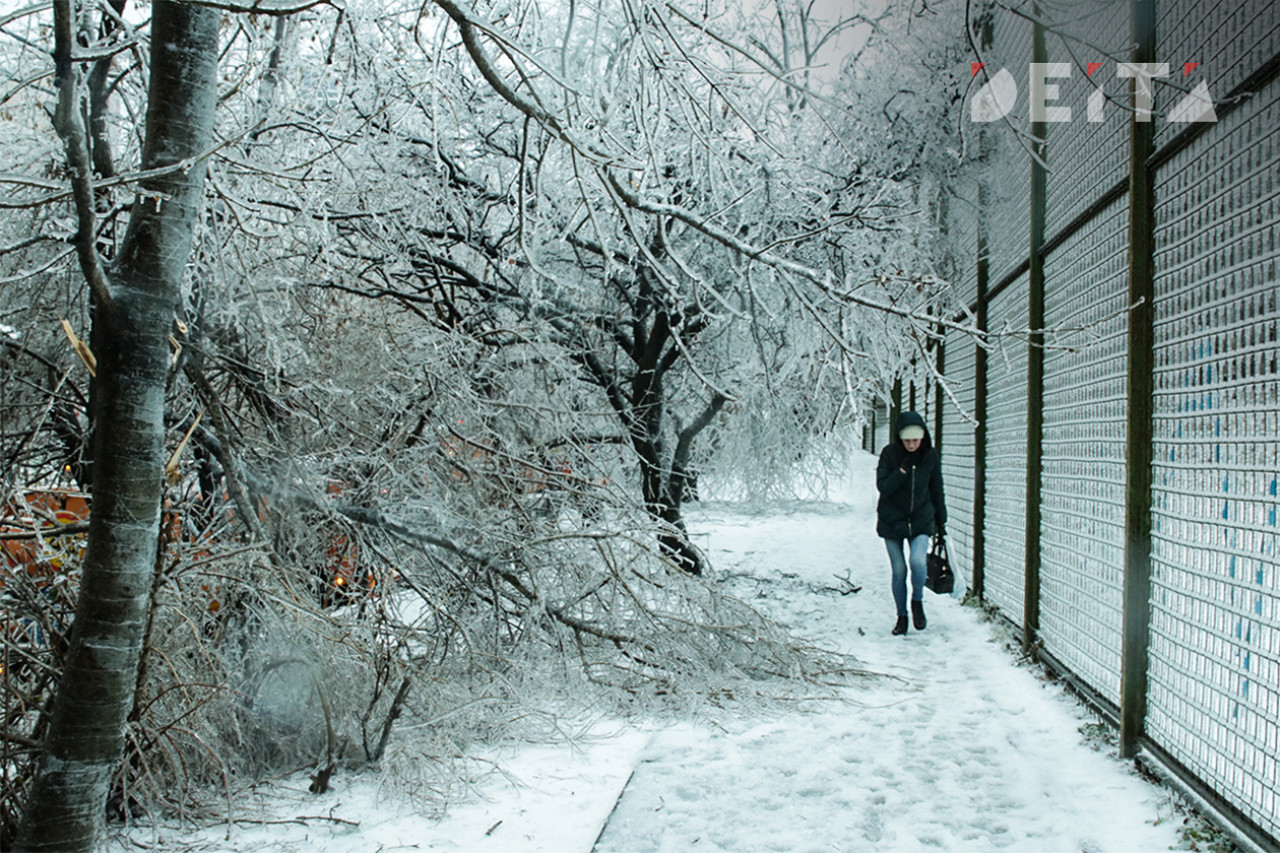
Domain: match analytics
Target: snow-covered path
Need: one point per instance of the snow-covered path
(960, 750)
(966, 752)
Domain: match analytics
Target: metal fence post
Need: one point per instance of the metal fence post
(940, 364)
(980, 403)
(1035, 364)
(978, 580)
(1141, 386)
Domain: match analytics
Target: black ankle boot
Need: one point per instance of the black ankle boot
(917, 616)
(901, 627)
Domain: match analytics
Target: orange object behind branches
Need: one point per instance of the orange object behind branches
(39, 529)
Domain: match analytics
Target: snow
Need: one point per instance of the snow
(956, 748)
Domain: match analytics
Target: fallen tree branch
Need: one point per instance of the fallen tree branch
(46, 532)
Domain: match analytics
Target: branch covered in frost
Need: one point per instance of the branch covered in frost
(266, 7)
(69, 122)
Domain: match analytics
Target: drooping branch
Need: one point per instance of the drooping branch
(811, 274)
(223, 452)
(685, 441)
(489, 564)
(90, 186)
(266, 7)
(471, 40)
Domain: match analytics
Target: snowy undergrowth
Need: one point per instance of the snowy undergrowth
(957, 748)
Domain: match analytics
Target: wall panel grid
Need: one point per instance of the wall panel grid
(1214, 699)
(1007, 175)
(957, 449)
(1008, 186)
(961, 238)
(1082, 499)
(1079, 34)
(1006, 492)
(1229, 39)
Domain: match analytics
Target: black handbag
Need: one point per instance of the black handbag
(940, 578)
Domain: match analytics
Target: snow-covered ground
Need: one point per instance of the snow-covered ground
(960, 749)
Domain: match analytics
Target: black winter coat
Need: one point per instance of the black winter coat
(910, 485)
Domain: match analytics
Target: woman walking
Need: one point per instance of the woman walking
(911, 510)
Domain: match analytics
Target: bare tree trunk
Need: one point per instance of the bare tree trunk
(664, 478)
(133, 311)
(667, 487)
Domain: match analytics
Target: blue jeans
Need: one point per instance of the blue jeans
(898, 560)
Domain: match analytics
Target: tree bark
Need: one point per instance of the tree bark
(664, 478)
(133, 313)
(666, 490)
(640, 402)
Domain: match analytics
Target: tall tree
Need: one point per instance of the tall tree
(133, 311)
(676, 178)
(607, 227)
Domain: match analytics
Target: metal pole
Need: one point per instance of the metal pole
(1138, 429)
(980, 404)
(986, 36)
(1035, 367)
(938, 402)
